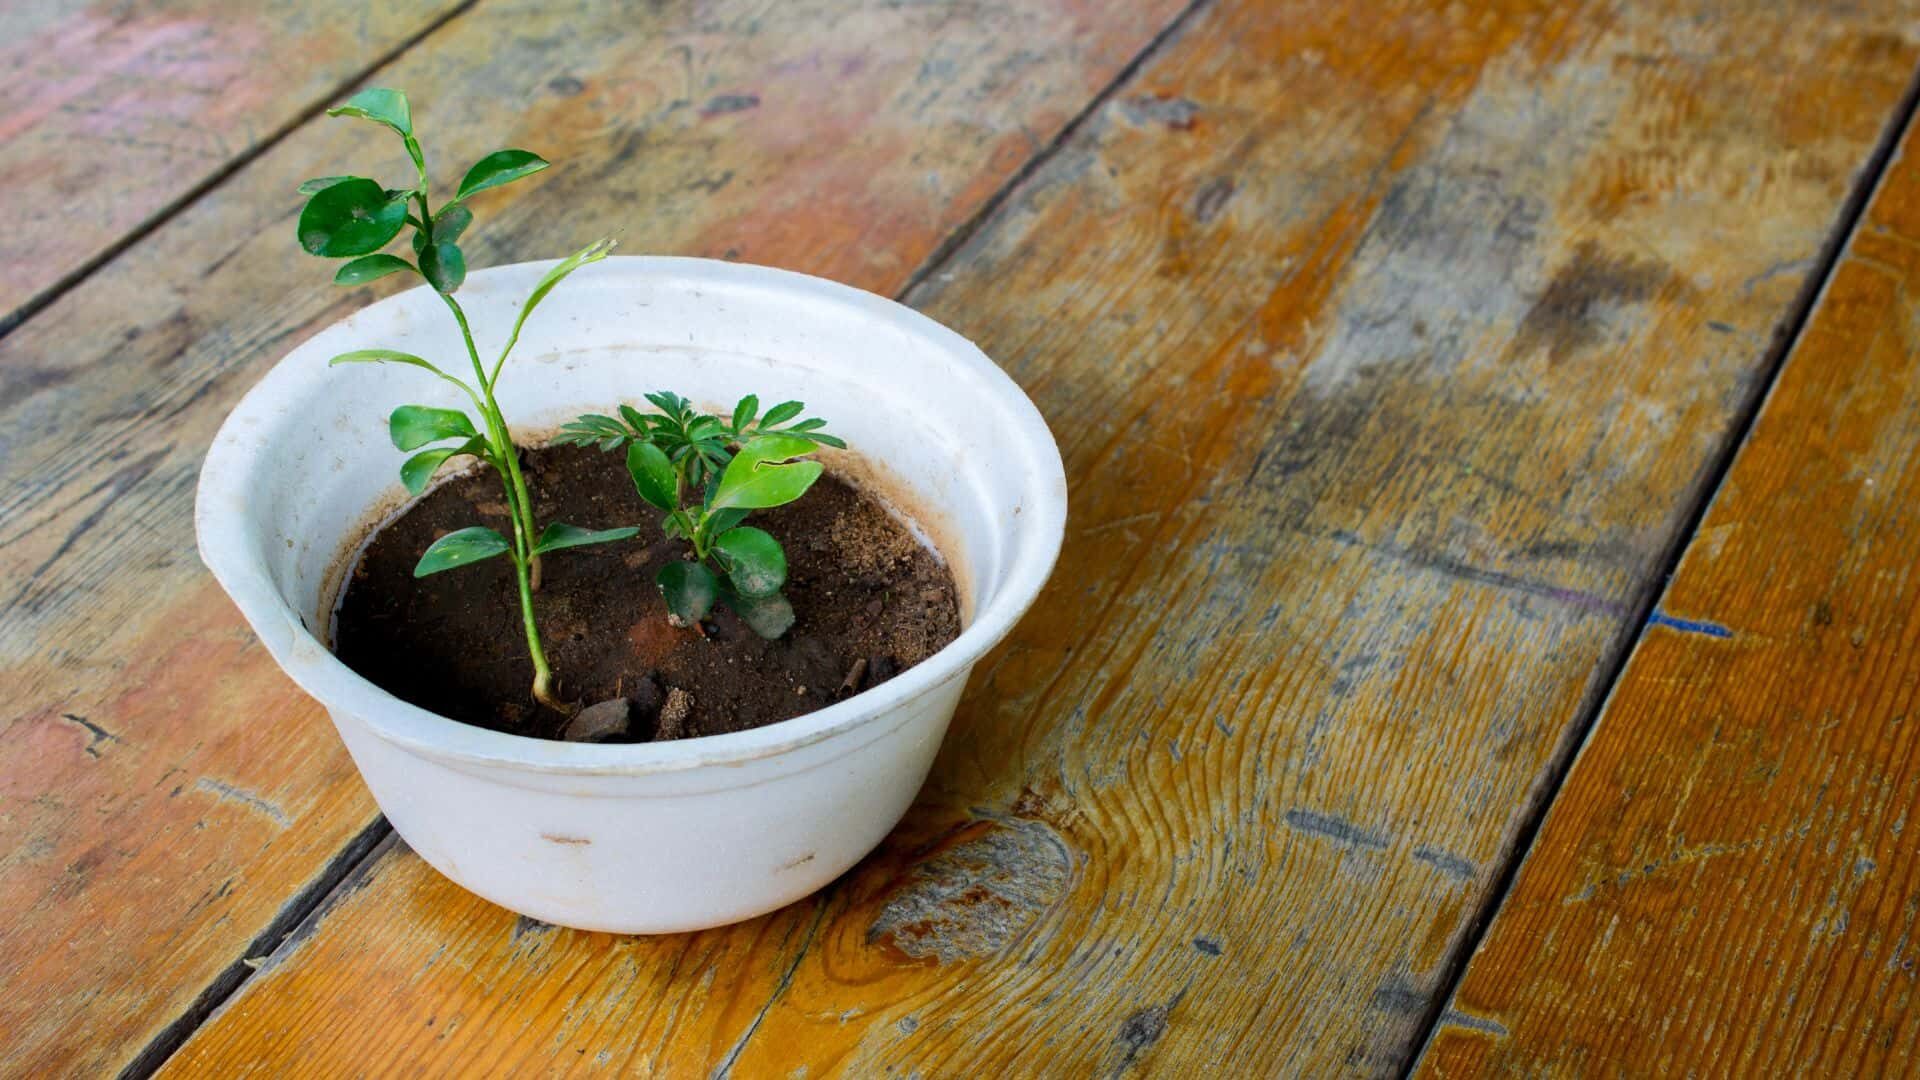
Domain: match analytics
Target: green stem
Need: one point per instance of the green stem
(526, 564)
(542, 675)
(502, 442)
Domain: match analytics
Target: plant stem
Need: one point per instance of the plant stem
(526, 564)
(542, 675)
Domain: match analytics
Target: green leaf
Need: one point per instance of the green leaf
(781, 413)
(769, 616)
(592, 253)
(753, 561)
(756, 479)
(382, 356)
(352, 217)
(390, 356)
(634, 417)
(420, 468)
(592, 429)
(380, 105)
(777, 446)
(744, 412)
(414, 426)
(469, 545)
(690, 589)
(322, 183)
(497, 168)
(448, 224)
(444, 265)
(652, 475)
(369, 268)
(559, 535)
(720, 521)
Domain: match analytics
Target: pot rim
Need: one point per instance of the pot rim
(222, 533)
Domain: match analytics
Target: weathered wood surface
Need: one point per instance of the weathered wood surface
(1723, 886)
(111, 112)
(1388, 345)
(163, 790)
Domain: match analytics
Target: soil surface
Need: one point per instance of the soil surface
(869, 599)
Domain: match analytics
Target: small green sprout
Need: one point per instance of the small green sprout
(708, 473)
(353, 217)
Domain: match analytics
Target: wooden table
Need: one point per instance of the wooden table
(1486, 637)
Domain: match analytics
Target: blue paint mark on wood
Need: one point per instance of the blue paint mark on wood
(1445, 861)
(1689, 626)
(1335, 829)
(1456, 1018)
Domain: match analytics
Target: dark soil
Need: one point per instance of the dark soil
(870, 601)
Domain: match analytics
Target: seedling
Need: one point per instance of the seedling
(708, 473)
(353, 218)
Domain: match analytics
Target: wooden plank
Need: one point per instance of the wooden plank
(1387, 345)
(163, 790)
(1723, 886)
(112, 112)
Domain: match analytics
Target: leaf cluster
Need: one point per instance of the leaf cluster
(708, 472)
(353, 217)
(699, 443)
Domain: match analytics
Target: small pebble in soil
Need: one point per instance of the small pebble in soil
(599, 722)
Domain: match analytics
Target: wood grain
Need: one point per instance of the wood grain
(1723, 886)
(163, 789)
(112, 112)
(1387, 346)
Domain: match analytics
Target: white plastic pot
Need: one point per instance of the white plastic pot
(652, 837)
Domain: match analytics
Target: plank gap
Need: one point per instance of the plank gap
(348, 865)
(964, 232)
(41, 300)
(1872, 175)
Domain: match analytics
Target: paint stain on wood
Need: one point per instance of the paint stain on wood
(95, 733)
(722, 104)
(1572, 313)
(1140, 1031)
(1167, 110)
(1340, 831)
(233, 793)
(1212, 198)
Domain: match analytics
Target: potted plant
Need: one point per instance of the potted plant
(682, 821)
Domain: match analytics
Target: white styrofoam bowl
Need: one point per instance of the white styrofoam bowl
(651, 837)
